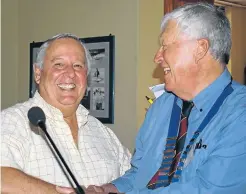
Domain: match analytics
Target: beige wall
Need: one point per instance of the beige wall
(9, 52)
(150, 15)
(0, 48)
(42, 19)
(135, 25)
(35, 20)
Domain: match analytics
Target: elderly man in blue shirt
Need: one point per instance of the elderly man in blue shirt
(209, 156)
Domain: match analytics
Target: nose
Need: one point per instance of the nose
(70, 71)
(158, 59)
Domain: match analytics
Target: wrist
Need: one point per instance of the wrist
(109, 188)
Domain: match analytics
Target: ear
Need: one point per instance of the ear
(37, 73)
(202, 49)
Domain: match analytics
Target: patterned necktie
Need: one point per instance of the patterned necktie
(186, 109)
(159, 179)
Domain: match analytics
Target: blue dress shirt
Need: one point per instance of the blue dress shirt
(217, 168)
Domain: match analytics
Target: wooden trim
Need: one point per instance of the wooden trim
(170, 5)
(225, 3)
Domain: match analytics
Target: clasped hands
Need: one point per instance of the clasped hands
(92, 189)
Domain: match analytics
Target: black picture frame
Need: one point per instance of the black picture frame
(99, 96)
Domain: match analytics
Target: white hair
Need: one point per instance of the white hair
(42, 50)
(203, 20)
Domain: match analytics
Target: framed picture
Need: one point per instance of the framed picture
(99, 96)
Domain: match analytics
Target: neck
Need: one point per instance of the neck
(71, 120)
(69, 112)
(208, 73)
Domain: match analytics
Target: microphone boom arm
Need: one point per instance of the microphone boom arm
(79, 189)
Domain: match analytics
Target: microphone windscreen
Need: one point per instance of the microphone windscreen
(36, 115)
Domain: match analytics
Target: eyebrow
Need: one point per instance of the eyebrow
(56, 58)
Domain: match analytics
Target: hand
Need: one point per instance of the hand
(94, 189)
(106, 188)
(65, 190)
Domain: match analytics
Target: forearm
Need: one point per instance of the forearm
(16, 182)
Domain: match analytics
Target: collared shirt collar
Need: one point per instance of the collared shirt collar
(54, 113)
(206, 98)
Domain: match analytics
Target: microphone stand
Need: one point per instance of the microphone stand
(79, 189)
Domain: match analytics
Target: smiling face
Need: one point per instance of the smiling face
(63, 79)
(176, 56)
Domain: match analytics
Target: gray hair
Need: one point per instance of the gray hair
(42, 50)
(203, 20)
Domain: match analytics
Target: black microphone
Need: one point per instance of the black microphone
(37, 117)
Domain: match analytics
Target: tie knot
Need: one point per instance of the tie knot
(187, 106)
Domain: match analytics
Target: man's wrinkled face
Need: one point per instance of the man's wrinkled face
(176, 57)
(63, 79)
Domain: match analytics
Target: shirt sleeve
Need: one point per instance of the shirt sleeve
(124, 155)
(14, 141)
(222, 173)
(125, 183)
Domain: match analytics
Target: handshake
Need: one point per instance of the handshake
(92, 189)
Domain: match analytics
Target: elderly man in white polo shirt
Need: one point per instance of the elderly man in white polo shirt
(91, 150)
